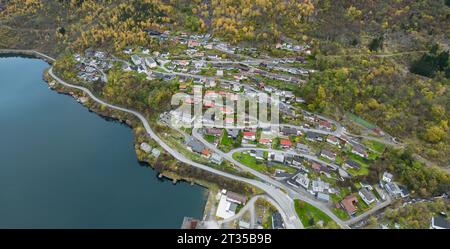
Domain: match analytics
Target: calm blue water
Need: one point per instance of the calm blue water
(64, 167)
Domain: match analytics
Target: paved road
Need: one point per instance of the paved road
(294, 194)
(287, 211)
(305, 196)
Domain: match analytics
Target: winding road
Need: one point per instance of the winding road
(286, 203)
(280, 195)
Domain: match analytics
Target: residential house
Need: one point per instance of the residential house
(312, 136)
(249, 136)
(440, 222)
(302, 148)
(146, 147)
(213, 131)
(393, 189)
(352, 164)
(297, 160)
(233, 133)
(226, 208)
(265, 141)
(276, 156)
(316, 166)
(387, 177)
(150, 62)
(365, 184)
(277, 221)
(403, 191)
(285, 143)
(367, 196)
(288, 158)
(333, 140)
(193, 43)
(156, 152)
(136, 60)
(237, 198)
(360, 151)
(196, 146)
(328, 155)
(303, 180)
(216, 158)
(325, 125)
(320, 186)
(289, 131)
(349, 204)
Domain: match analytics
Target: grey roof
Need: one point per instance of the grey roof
(286, 130)
(328, 153)
(353, 164)
(277, 221)
(302, 146)
(440, 221)
(313, 135)
(233, 132)
(367, 194)
(195, 145)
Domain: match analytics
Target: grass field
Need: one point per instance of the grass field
(374, 145)
(310, 215)
(250, 161)
(361, 121)
(341, 213)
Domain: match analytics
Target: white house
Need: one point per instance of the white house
(387, 177)
(151, 63)
(276, 156)
(146, 147)
(303, 180)
(136, 59)
(367, 196)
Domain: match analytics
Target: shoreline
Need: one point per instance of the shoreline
(174, 178)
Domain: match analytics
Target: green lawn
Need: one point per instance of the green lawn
(375, 145)
(226, 143)
(250, 161)
(341, 214)
(210, 138)
(310, 215)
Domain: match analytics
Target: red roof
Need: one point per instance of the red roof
(286, 142)
(208, 104)
(349, 204)
(264, 140)
(249, 134)
(325, 123)
(205, 152)
(315, 166)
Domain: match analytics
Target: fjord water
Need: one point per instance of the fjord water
(62, 166)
